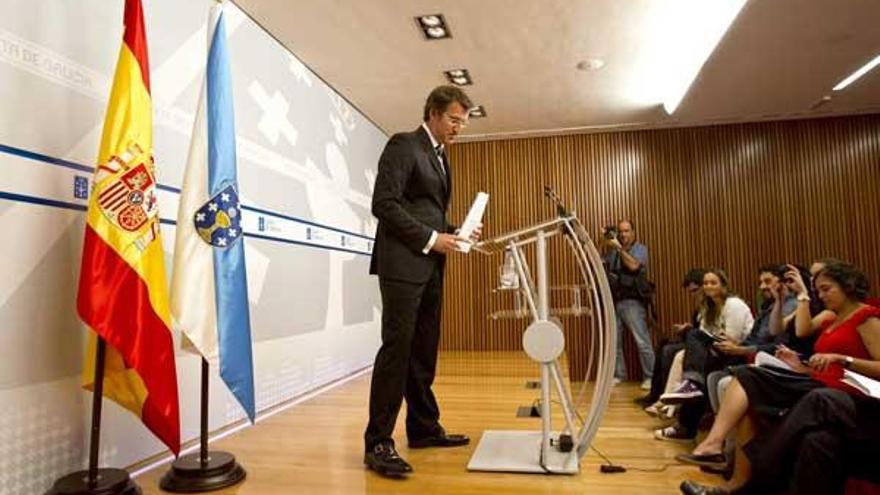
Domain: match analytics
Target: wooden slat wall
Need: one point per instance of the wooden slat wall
(733, 196)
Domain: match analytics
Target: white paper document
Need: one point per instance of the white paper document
(766, 359)
(472, 220)
(868, 386)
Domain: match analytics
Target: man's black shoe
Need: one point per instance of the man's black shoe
(384, 459)
(442, 440)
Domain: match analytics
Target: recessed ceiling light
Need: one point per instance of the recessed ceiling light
(436, 32)
(590, 64)
(459, 77)
(477, 112)
(431, 20)
(433, 26)
(821, 101)
(857, 74)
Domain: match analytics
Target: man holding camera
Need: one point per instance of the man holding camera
(626, 263)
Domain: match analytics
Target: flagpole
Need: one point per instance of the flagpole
(94, 481)
(206, 470)
(204, 427)
(97, 402)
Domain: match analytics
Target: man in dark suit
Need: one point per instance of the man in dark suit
(412, 193)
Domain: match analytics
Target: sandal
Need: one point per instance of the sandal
(689, 487)
(718, 461)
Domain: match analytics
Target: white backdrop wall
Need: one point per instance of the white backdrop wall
(306, 166)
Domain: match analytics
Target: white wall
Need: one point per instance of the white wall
(306, 165)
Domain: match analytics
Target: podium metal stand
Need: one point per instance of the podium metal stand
(549, 451)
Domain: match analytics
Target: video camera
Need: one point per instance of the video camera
(609, 232)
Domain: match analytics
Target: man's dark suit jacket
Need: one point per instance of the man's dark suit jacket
(410, 201)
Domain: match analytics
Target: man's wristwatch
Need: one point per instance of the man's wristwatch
(848, 361)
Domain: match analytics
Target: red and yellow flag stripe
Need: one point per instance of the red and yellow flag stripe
(123, 293)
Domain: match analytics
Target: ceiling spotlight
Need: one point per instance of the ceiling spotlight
(431, 20)
(433, 26)
(590, 64)
(436, 32)
(459, 77)
(821, 101)
(477, 112)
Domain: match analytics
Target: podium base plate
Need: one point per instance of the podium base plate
(517, 451)
(189, 475)
(111, 481)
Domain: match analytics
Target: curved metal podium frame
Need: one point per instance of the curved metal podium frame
(543, 341)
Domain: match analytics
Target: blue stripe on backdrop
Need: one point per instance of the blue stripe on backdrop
(23, 198)
(51, 160)
(230, 277)
(44, 158)
(301, 243)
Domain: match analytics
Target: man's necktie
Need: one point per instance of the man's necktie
(439, 151)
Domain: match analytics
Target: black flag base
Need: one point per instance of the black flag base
(109, 481)
(189, 474)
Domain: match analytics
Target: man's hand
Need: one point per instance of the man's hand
(774, 292)
(447, 243)
(614, 244)
(795, 281)
(477, 234)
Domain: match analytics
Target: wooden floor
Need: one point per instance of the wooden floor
(316, 447)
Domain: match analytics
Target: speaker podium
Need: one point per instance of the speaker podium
(550, 451)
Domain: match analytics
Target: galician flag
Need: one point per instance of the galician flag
(209, 301)
(123, 294)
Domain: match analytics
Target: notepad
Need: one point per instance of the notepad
(472, 220)
(868, 386)
(766, 359)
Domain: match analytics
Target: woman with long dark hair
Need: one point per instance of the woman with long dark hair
(722, 316)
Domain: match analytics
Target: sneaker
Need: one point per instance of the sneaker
(673, 434)
(646, 384)
(661, 411)
(687, 391)
(616, 381)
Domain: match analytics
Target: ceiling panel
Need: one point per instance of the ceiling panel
(778, 59)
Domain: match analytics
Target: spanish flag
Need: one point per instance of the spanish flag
(123, 295)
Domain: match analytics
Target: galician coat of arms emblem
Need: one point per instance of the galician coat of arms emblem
(218, 221)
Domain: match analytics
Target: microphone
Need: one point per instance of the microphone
(561, 210)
